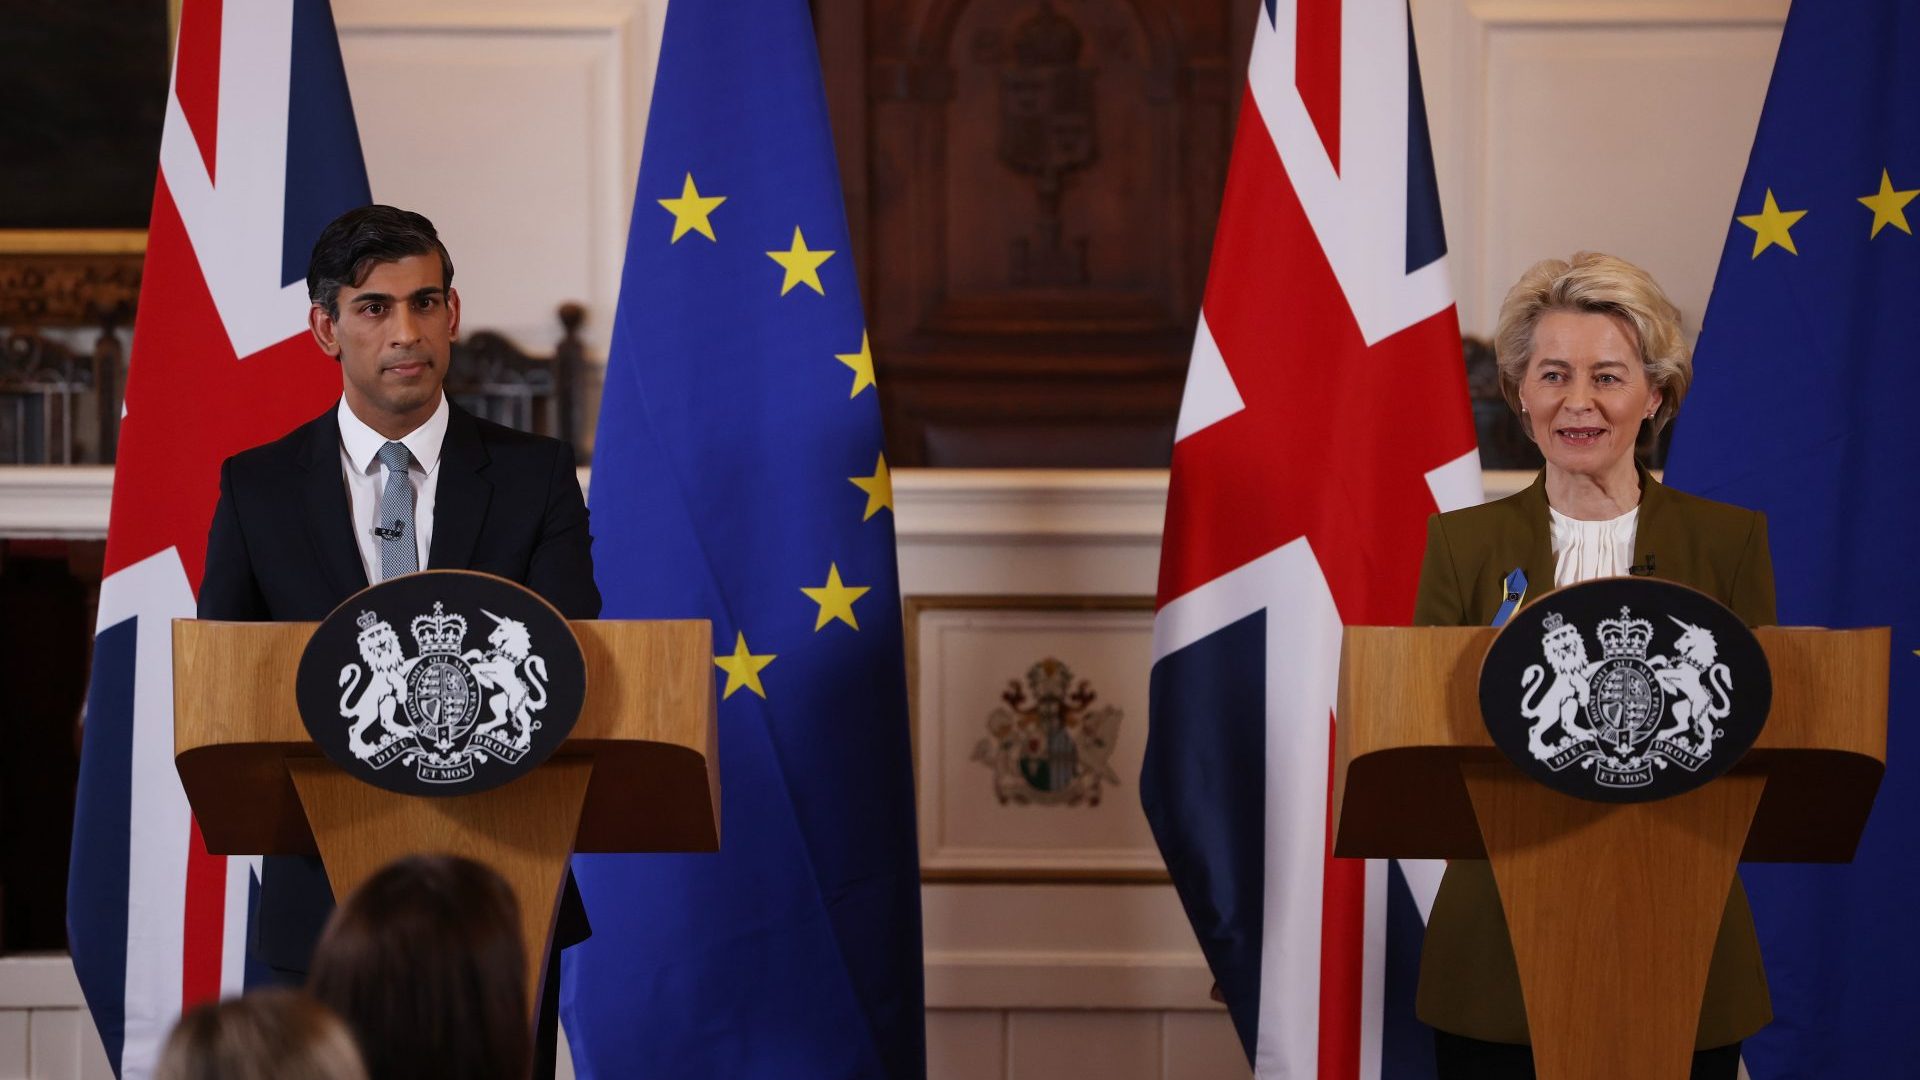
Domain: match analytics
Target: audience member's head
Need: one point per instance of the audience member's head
(426, 964)
(266, 1035)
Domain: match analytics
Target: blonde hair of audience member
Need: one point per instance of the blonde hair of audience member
(1593, 283)
(425, 963)
(273, 1034)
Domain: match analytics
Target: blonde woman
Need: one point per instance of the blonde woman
(272, 1034)
(1592, 358)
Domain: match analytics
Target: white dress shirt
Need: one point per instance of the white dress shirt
(366, 477)
(1584, 550)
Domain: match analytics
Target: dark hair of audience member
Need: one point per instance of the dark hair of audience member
(425, 963)
(273, 1034)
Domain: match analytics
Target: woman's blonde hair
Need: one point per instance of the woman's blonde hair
(273, 1034)
(1603, 285)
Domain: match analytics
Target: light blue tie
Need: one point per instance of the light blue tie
(399, 553)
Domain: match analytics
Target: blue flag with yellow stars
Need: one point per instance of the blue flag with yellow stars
(1802, 407)
(738, 477)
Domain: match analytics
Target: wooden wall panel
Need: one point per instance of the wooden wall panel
(1032, 186)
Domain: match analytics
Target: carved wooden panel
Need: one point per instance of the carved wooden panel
(1032, 186)
(62, 289)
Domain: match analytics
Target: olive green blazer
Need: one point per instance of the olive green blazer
(1469, 983)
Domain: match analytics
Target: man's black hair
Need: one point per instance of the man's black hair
(356, 240)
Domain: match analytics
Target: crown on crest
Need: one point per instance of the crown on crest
(1553, 621)
(1049, 678)
(368, 620)
(1625, 636)
(439, 632)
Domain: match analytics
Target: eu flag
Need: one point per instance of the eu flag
(738, 477)
(1801, 409)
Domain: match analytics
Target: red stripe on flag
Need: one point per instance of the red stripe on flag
(1336, 437)
(1343, 930)
(205, 922)
(1316, 69)
(196, 79)
(191, 402)
(1333, 444)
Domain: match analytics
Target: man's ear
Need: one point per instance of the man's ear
(453, 312)
(322, 326)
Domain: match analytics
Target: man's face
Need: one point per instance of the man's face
(393, 338)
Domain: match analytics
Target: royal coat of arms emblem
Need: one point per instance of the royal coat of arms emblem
(425, 710)
(1638, 721)
(455, 716)
(1048, 745)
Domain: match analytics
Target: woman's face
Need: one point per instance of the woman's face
(1586, 392)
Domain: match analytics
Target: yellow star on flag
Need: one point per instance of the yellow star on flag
(879, 488)
(743, 668)
(1889, 206)
(862, 365)
(835, 599)
(690, 211)
(1770, 226)
(801, 264)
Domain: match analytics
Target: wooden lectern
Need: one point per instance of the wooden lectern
(636, 774)
(1613, 908)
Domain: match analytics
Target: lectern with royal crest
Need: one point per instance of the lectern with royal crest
(547, 737)
(1614, 751)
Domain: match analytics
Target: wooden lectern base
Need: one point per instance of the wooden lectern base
(1627, 914)
(524, 830)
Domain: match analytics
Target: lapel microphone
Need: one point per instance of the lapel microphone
(400, 528)
(1643, 570)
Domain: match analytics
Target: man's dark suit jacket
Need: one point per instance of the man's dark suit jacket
(1469, 980)
(282, 549)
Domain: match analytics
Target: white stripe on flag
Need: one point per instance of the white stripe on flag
(235, 217)
(1358, 211)
(1302, 660)
(1210, 395)
(234, 928)
(1373, 968)
(1423, 880)
(1457, 483)
(154, 590)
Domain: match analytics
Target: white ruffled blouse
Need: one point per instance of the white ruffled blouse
(1584, 550)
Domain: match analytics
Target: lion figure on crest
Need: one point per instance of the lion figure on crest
(517, 676)
(386, 688)
(1562, 700)
(1702, 684)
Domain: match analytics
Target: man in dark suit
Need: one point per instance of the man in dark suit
(390, 479)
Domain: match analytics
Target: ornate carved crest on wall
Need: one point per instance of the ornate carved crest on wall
(1032, 189)
(1047, 132)
(63, 290)
(1049, 746)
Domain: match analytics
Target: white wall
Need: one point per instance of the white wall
(517, 128)
(1610, 125)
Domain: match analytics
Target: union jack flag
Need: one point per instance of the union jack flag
(258, 153)
(1325, 418)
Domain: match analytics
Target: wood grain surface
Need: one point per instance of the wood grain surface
(1409, 718)
(647, 725)
(1613, 911)
(523, 830)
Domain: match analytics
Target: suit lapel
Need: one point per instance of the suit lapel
(329, 514)
(460, 501)
(1657, 533)
(1536, 527)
